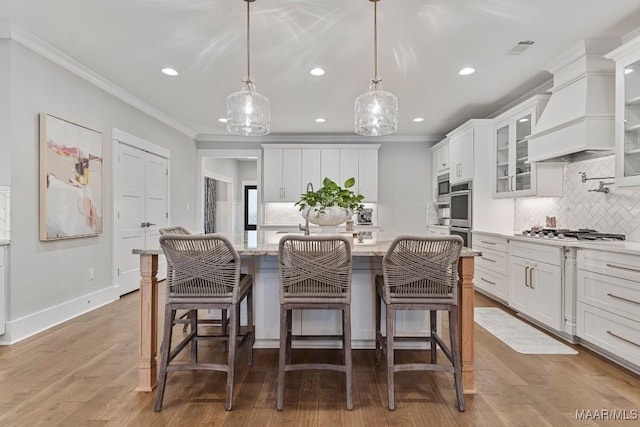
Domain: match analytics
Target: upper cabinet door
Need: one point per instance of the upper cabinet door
(502, 152)
(461, 156)
(330, 164)
(272, 171)
(282, 174)
(291, 174)
(627, 122)
(361, 164)
(311, 168)
(514, 175)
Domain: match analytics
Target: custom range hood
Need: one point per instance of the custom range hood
(578, 121)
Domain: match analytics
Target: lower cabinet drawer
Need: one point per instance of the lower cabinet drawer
(492, 283)
(609, 293)
(613, 333)
(493, 260)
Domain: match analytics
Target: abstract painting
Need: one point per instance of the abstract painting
(70, 179)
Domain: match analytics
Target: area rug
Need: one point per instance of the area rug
(517, 334)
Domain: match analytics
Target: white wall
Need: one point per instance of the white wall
(5, 106)
(404, 186)
(48, 281)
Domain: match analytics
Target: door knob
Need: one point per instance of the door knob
(146, 224)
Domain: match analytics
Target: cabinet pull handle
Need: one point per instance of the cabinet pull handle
(488, 259)
(623, 268)
(623, 339)
(488, 243)
(623, 299)
(526, 276)
(488, 281)
(531, 278)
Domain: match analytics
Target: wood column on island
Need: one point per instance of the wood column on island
(148, 344)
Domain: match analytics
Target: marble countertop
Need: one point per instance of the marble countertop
(260, 243)
(624, 246)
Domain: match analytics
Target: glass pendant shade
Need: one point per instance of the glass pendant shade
(248, 112)
(376, 112)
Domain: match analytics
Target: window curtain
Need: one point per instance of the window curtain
(209, 205)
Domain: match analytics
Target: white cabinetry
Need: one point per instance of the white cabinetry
(439, 164)
(461, 154)
(318, 164)
(513, 176)
(3, 292)
(627, 112)
(441, 156)
(287, 169)
(535, 282)
(491, 268)
(282, 174)
(608, 294)
(438, 230)
(361, 164)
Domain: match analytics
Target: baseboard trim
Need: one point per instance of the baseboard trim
(27, 326)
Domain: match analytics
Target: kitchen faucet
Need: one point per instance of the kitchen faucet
(306, 220)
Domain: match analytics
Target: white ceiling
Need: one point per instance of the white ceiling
(422, 44)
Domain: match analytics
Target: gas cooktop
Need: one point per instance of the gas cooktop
(580, 234)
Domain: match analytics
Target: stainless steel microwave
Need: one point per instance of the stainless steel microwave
(443, 189)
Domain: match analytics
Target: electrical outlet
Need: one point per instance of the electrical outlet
(92, 273)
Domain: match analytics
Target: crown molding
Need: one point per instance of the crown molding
(318, 138)
(42, 48)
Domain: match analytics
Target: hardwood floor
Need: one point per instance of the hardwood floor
(83, 373)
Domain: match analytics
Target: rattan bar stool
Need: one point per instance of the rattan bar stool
(203, 272)
(185, 318)
(420, 273)
(315, 273)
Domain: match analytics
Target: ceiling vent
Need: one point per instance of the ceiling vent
(521, 47)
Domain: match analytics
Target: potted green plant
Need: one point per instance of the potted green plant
(331, 204)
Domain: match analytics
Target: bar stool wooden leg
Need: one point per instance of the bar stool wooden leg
(348, 362)
(390, 361)
(165, 350)
(284, 337)
(434, 330)
(455, 350)
(251, 329)
(233, 335)
(378, 331)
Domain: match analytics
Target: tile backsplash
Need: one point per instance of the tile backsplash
(616, 212)
(5, 209)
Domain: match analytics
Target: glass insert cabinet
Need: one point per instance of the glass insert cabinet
(627, 124)
(514, 176)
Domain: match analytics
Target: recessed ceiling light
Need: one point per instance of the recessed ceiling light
(524, 119)
(466, 71)
(169, 72)
(317, 72)
(320, 120)
(628, 70)
(222, 120)
(418, 119)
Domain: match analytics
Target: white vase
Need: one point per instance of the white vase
(330, 216)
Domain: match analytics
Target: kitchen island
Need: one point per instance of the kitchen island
(259, 253)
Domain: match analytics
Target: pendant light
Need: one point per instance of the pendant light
(376, 111)
(248, 111)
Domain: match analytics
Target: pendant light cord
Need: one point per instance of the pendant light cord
(376, 79)
(248, 42)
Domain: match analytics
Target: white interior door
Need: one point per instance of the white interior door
(141, 209)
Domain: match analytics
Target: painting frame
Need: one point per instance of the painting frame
(71, 179)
